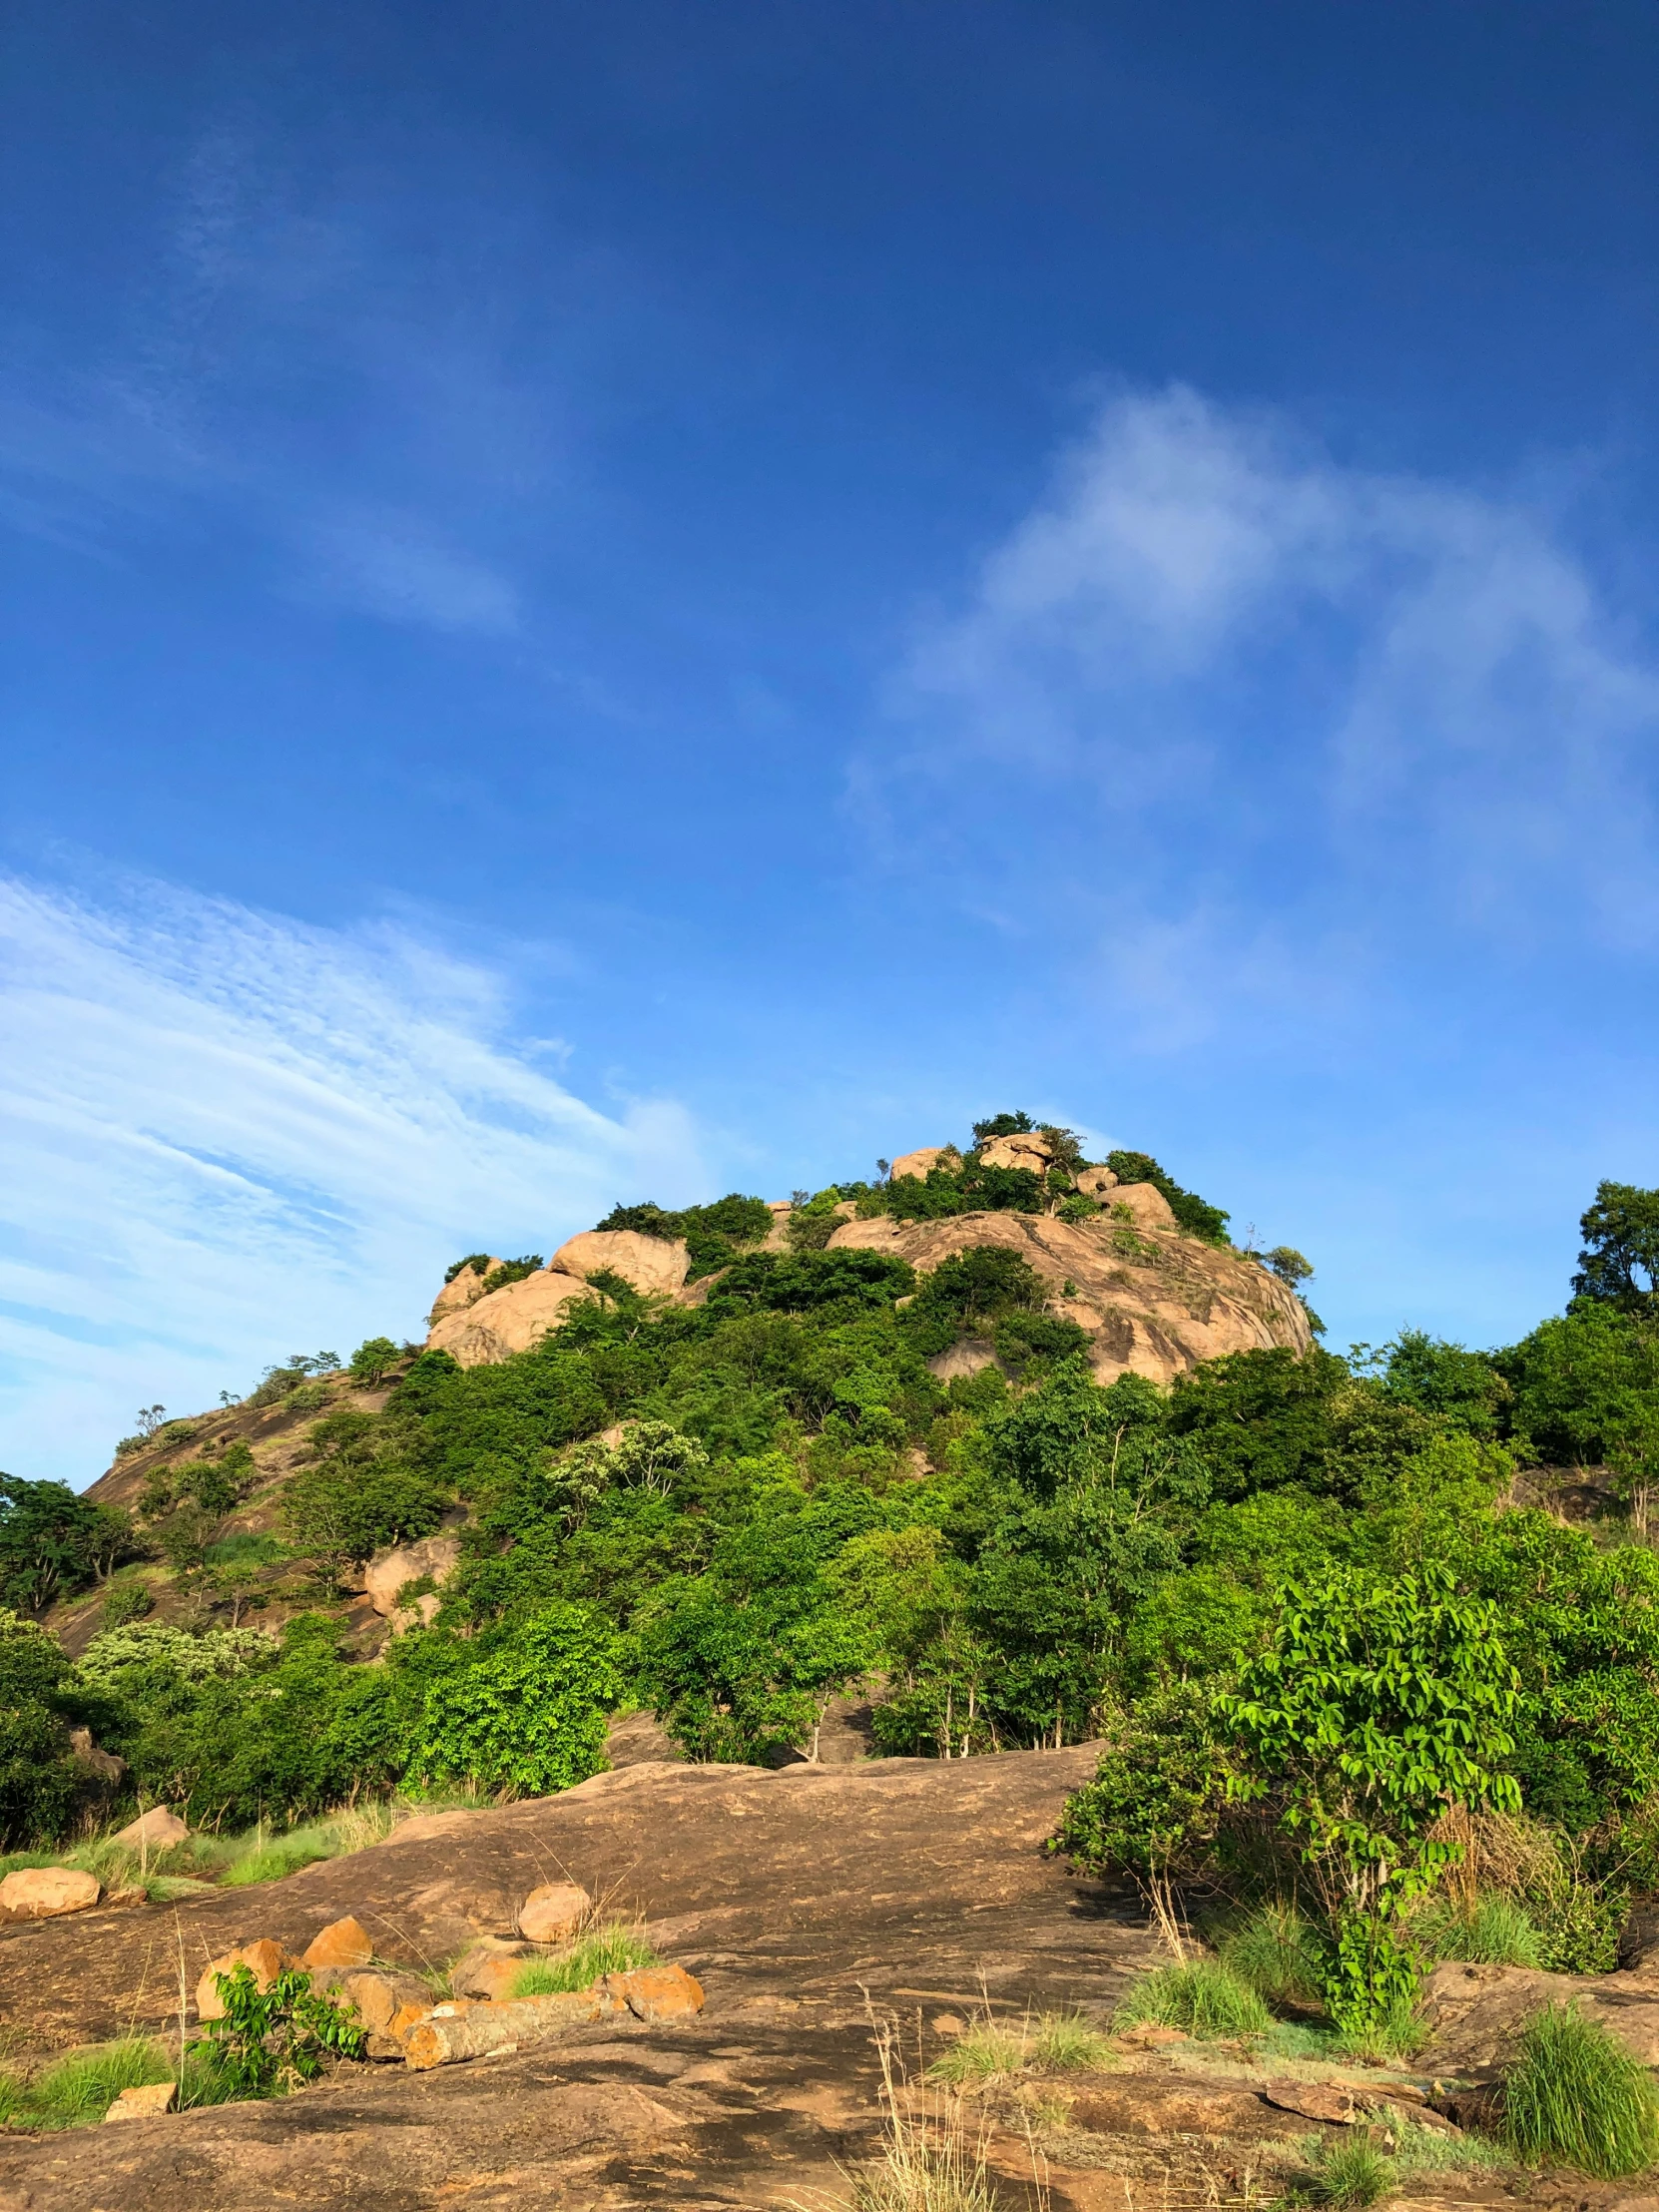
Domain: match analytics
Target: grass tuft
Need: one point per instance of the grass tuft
(78, 2089)
(1203, 1996)
(1066, 2042)
(1277, 1952)
(1497, 1932)
(1351, 2173)
(984, 2052)
(612, 1948)
(1577, 2097)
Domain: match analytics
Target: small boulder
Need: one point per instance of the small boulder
(475, 1973)
(655, 1993)
(493, 1981)
(341, 1944)
(42, 1893)
(1095, 1182)
(553, 1912)
(1029, 1150)
(148, 2103)
(647, 1263)
(265, 1959)
(151, 1830)
(377, 1998)
(1147, 1206)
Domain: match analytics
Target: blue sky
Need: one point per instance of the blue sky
(618, 602)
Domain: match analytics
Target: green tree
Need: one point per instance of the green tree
(373, 1361)
(53, 1542)
(1383, 1702)
(1619, 1264)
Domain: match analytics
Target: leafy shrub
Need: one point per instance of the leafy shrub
(1003, 1125)
(1191, 1212)
(527, 1713)
(374, 1359)
(126, 1601)
(271, 2041)
(1203, 1996)
(971, 1189)
(52, 1542)
(478, 1261)
(1577, 2097)
(513, 1271)
(799, 1284)
(1025, 1343)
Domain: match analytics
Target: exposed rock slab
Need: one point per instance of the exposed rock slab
(513, 1318)
(1477, 2014)
(1154, 1302)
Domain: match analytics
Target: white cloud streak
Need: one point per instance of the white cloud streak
(227, 1136)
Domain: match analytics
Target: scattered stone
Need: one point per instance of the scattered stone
(655, 1993)
(554, 1911)
(265, 1959)
(478, 1970)
(341, 1944)
(42, 1893)
(457, 2031)
(148, 2103)
(1315, 2101)
(151, 1830)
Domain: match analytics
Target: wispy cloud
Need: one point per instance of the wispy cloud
(227, 1136)
(1361, 701)
(294, 371)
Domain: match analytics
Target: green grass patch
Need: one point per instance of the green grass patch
(1577, 2097)
(1352, 2173)
(1067, 2042)
(77, 2090)
(614, 1948)
(1496, 1932)
(1277, 1952)
(1203, 1996)
(261, 1857)
(985, 2051)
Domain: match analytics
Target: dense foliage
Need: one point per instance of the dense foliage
(1302, 1601)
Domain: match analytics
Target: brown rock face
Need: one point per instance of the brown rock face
(648, 1262)
(1154, 1302)
(553, 1912)
(1031, 1152)
(42, 1893)
(1145, 1202)
(385, 1575)
(459, 1293)
(510, 1320)
(341, 1944)
(1476, 2014)
(918, 1163)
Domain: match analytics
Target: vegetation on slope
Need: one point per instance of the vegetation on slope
(1302, 1599)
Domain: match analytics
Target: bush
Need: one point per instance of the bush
(1351, 2173)
(528, 1715)
(374, 1359)
(1203, 1996)
(1277, 1952)
(1577, 2097)
(1191, 1212)
(271, 2041)
(78, 2089)
(124, 1602)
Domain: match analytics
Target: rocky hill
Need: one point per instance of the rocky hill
(1152, 1298)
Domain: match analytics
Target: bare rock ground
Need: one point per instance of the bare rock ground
(803, 1900)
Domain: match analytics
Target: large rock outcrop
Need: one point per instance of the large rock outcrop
(1154, 1302)
(649, 1264)
(510, 1320)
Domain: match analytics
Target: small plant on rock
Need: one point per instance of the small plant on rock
(269, 2041)
(612, 1948)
